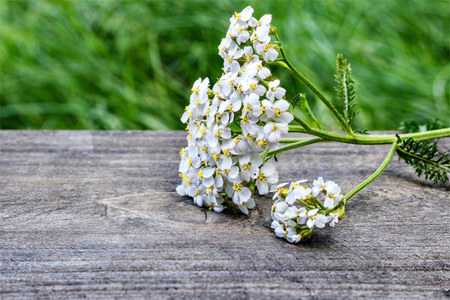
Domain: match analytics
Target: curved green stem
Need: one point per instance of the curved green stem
(366, 182)
(374, 175)
(302, 123)
(285, 63)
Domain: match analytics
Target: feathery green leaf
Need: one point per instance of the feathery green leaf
(425, 158)
(345, 90)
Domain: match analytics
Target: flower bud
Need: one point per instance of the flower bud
(273, 29)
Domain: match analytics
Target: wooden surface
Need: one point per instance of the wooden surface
(94, 214)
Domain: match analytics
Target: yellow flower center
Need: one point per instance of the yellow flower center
(261, 177)
(263, 110)
(237, 187)
(262, 143)
(277, 112)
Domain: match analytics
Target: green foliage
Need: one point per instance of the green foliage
(304, 111)
(130, 64)
(425, 158)
(414, 126)
(345, 90)
(361, 131)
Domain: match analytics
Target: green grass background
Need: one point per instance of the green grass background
(129, 64)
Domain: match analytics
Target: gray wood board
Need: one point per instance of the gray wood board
(94, 214)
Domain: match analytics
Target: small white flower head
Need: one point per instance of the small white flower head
(267, 179)
(281, 115)
(268, 52)
(242, 17)
(263, 22)
(334, 218)
(273, 131)
(275, 91)
(316, 219)
(300, 208)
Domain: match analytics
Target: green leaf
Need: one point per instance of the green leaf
(301, 103)
(414, 126)
(361, 131)
(345, 90)
(425, 158)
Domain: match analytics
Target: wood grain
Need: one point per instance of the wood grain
(94, 214)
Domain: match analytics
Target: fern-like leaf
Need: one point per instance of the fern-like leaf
(345, 90)
(425, 158)
(414, 126)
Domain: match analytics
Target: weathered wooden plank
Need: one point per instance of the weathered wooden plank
(58, 239)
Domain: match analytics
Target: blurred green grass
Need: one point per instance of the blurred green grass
(130, 64)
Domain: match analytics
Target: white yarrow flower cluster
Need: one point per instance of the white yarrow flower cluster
(300, 208)
(219, 163)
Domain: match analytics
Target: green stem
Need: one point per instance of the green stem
(288, 140)
(302, 123)
(294, 145)
(296, 128)
(374, 175)
(285, 63)
(306, 204)
(371, 139)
